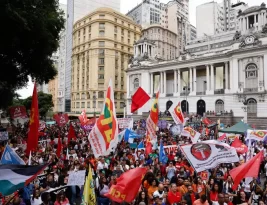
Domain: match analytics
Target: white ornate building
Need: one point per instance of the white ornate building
(215, 74)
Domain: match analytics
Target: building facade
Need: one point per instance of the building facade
(102, 46)
(193, 33)
(213, 18)
(77, 9)
(157, 41)
(224, 74)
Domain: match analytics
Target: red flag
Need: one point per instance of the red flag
(139, 98)
(239, 146)
(32, 141)
(71, 134)
(223, 137)
(127, 186)
(61, 119)
(248, 169)
(59, 147)
(206, 121)
(148, 149)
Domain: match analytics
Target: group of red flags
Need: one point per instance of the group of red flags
(33, 134)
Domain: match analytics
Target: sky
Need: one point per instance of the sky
(127, 5)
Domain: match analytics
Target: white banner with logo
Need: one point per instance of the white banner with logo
(125, 123)
(258, 135)
(209, 154)
(231, 136)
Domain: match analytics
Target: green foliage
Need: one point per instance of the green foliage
(29, 36)
(45, 103)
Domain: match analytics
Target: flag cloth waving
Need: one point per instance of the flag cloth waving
(11, 157)
(127, 186)
(248, 169)
(162, 156)
(14, 177)
(239, 146)
(33, 123)
(89, 190)
(152, 120)
(71, 134)
(190, 132)
(139, 98)
(104, 135)
(177, 114)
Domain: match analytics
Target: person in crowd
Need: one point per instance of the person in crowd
(214, 193)
(152, 188)
(36, 197)
(142, 198)
(61, 199)
(170, 170)
(174, 197)
(103, 189)
(202, 200)
(190, 196)
(199, 187)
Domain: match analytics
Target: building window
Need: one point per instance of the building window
(122, 105)
(101, 94)
(101, 68)
(77, 104)
(219, 106)
(122, 95)
(77, 96)
(101, 61)
(83, 105)
(100, 76)
(251, 71)
(252, 106)
(101, 43)
(101, 15)
(88, 105)
(136, 83)
(101, 33)
(83, 96)
(101, 52)
(100, 104)
(101, 25)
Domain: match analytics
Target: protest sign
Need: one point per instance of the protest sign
(76, 178)
(42, 179)
(3, 136)
(169, 148)
(125, 123)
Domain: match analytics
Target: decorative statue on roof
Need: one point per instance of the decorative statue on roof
(237, 35)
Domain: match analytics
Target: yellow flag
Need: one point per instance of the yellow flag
(89, 190)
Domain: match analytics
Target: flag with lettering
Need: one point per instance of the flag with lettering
(104, 135)
(152, 120)
(177, 114)
(32, 142)
(259, 135)
(127, 186)
(61, 119)
(190, 132)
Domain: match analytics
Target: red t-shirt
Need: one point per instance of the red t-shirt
(193, 197)
(213, 196)
(174, 197)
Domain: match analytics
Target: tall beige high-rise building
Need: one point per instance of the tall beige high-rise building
(102, 46)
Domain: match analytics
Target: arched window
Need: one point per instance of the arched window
(136, 83)
(101, 94)
(122, 96)
(185, 106)
(251, 71)
(219, 106)
(252, 105)
(168, 105)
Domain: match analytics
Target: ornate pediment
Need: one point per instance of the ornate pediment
(249, 40)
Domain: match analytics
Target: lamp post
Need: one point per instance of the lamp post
(94, 103)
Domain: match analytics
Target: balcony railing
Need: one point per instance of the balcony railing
(219, 91)
(184, 93)
(169, 94)
(250, 90)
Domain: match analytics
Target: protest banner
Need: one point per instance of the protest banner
(169, 148)
(230, 136)
(125, 123)
(76, 178)
(3, 136)
(208, 154)
(18, 114)
(41, 179)
(258, 135)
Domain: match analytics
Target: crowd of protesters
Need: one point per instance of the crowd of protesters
(174, 183)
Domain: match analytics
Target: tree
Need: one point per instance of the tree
(30, 35)
(45, 103)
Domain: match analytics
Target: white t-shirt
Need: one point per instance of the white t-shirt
(101, 165)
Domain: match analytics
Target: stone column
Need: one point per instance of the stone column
(195, 79)
(255, 18)
(226, 75)
(265, 71)
(175, 81)
(208, 77)
(242, 73)
(128, 86)
(231, 75)
(190, 79)
(247, 23)
(179, 81)
(165, 82)
(151, 84)
(212, 77)
(244, 24)
(261, 75)
(161, 82)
